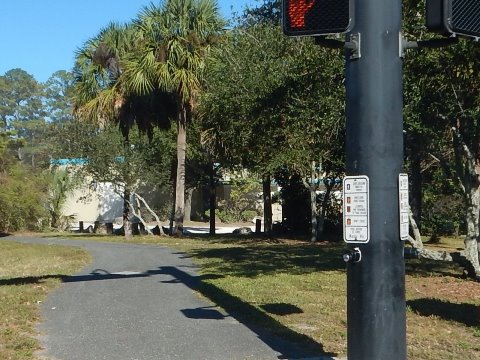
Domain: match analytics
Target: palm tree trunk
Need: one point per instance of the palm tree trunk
(180, 181)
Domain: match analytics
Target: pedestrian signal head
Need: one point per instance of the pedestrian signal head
(317, 17)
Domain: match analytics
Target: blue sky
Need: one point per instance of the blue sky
(41, 36)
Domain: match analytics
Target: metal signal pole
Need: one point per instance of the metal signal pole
(374, 145)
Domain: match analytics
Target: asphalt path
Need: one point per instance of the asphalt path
(138, 302)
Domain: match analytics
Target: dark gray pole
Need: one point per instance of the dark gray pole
(376, 284)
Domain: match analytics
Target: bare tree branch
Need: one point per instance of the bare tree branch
(159, 224)
(416, 242)
(139, 216)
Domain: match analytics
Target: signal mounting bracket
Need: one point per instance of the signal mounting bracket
(354, 45)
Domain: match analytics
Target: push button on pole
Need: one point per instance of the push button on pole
(352, 256)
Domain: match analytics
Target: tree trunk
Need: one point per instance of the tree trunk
(127, 225)
(323, 213)
(311, 187)
(54, 220)
(416, 188)
(416, 242)
(212, 199)
(267, 205)
(172, 211)
(157, 219)
(180, 181)
(468, 174)
(188, 203)
(473, 236)
(314, 214)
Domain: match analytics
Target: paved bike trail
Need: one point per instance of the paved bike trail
(138, 302)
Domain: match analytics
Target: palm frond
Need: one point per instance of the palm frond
(101, 109)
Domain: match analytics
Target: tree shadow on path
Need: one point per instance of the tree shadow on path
(288, 343)
(285, 341)
(95, 275)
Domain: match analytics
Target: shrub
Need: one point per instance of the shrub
(241, 205)
(21, 200)
(443, 214)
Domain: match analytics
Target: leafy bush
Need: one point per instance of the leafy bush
(61, 183)
(241, 204)
(21, 200)
(443, 215)
(224, 216)
(248, 215)
(227, 215)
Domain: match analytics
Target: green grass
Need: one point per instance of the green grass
(443, 320)
(298, 290)
(27, 274)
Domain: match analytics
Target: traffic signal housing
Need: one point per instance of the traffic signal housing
(454, 17)
(317, 17)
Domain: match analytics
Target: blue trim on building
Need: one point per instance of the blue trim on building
(76, 161)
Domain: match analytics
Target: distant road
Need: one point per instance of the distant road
(137, 302)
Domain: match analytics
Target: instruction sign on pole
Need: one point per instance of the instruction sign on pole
(403, 205)
(356, 223)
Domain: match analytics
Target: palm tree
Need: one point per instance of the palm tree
(99, 95)
(175, 39)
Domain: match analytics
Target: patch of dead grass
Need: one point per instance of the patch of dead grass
(27, 274)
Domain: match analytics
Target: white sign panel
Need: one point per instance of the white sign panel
(356, 223)
(403, 205)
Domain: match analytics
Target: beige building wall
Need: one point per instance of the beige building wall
(101, 204)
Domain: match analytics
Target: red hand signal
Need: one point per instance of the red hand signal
(297, 9)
